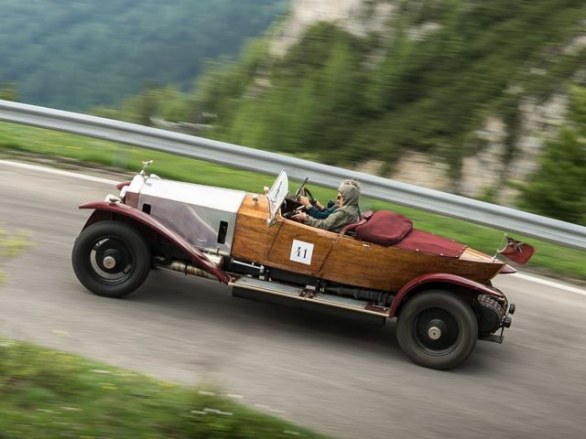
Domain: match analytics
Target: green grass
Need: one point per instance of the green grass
(550, 259)
(51, 394)
(10, 246)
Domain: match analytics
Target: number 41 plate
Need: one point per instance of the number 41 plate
(301, 252)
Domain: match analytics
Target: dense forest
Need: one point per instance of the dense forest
(353, 97)
(76, 54)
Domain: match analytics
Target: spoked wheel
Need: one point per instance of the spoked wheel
(437, 329)
(111, 259)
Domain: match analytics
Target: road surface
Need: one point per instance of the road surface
(341, 377)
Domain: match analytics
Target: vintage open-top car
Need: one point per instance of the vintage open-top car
(439, 290)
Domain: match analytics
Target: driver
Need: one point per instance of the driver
(346, 210)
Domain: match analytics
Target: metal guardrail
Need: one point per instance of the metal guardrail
(478, 212)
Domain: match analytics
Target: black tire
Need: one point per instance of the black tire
(437, 329)
(111, 259)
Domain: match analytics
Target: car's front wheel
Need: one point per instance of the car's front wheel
(437, 329)
(111, 259)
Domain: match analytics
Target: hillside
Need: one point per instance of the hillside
(458, 95)
(77, 54)
(483, 99)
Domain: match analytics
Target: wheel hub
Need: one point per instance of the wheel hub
(434, 333)
(110, 259)
(109, 262)
(435, 330)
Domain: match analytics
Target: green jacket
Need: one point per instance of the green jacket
(344, 215)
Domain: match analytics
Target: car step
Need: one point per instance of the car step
(309, 295)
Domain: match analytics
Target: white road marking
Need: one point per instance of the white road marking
(546, 282)
(58, 172)
(551, 283)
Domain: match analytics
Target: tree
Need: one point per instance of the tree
(8, 91)
(556, 189)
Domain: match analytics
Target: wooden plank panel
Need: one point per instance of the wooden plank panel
(360, 263)
(253, 238)
(295, 238)
(342, 259)
(388, 268)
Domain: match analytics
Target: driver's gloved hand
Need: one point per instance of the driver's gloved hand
(305, 201)
(331, 203)
(300, 217)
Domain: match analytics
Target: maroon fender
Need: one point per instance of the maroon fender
(119, 186)
(199, 259)
(443, 278)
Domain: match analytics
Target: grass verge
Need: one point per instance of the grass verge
(52, 394)
(550, 259)
(10, 246)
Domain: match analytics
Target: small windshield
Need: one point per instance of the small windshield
(277, 194)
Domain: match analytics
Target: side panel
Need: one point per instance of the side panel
(300, 248)
(200, 226)
(285, 244)
(371, 266)
(357, 262)
(310, 251)
(204, 216)
(253, 237)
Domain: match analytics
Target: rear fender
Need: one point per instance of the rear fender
(464, 286)
(106, 210)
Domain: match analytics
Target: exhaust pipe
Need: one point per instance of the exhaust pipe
(186, 269)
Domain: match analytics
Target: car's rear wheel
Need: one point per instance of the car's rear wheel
(437, 329)
(111, 259)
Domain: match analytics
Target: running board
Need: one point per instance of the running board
(307, 295)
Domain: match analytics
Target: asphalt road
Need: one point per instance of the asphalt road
(340, 377)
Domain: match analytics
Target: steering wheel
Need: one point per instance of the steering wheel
(291, 205)
(303, 191)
